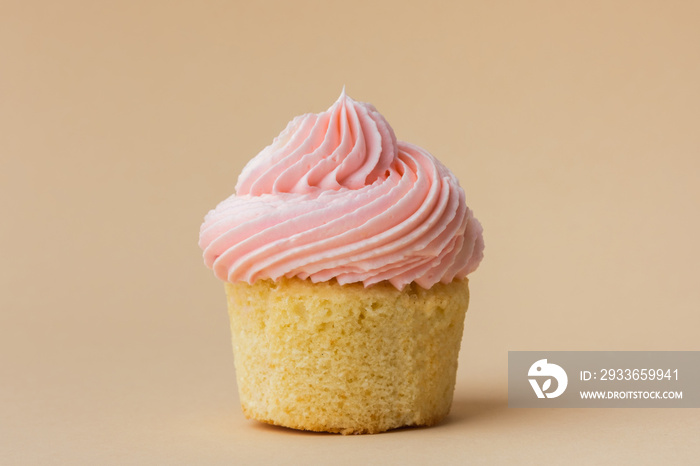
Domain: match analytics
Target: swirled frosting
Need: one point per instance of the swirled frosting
(337, 196)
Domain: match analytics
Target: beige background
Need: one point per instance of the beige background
(573, 127)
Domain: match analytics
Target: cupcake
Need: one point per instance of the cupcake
(345, 256)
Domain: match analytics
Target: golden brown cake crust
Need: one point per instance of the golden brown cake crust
(347, 359)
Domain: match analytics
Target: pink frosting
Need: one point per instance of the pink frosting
(337, 196)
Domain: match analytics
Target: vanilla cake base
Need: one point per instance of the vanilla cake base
(345, 358)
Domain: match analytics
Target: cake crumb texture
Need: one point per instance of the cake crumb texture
(345, 358)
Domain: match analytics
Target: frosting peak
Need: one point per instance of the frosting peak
(348, 146)
(337, 196)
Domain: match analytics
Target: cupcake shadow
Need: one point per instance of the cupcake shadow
(466, 410)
